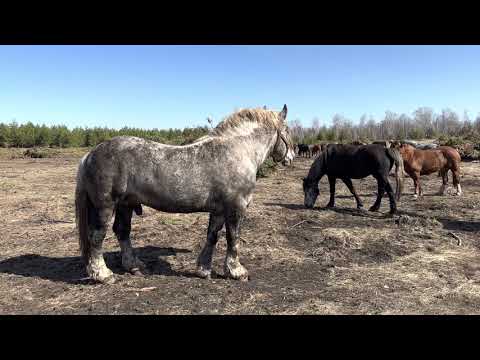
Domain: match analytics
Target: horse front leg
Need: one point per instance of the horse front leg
(350, 187)
(233, 268)
(332, 180)
(204, 261)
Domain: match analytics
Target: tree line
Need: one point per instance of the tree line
(30, 135)
(424, 123)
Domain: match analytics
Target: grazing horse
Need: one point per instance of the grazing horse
(315, 150)
(215, 174)
(355, 162)
(424, 162)
(303, 149)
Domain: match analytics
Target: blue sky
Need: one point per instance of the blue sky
(179, 86)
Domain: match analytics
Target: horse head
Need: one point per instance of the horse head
(284, 150)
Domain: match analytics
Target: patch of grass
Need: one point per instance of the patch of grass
(42, 153)
(5, 186)
(165, 220)
(268, 167)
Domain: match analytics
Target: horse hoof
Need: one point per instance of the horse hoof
(106, 281)
(110, 280)
(373, 209)
(204, 273)
(235, 271)
(330, 206)
(244, 278)
(138, 272)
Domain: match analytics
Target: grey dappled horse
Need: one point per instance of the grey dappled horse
(215, 174)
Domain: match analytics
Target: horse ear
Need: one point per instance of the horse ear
(283, 113)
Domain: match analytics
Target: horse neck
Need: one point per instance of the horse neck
(318, 168)
(408, 154)
(258, 144)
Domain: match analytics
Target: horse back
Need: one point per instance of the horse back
(355, 161)
(427, 161)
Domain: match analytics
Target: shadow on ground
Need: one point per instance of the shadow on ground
(71, 269)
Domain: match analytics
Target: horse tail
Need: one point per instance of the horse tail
(399, 170)
(82, 204)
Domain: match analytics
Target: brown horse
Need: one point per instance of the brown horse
(425, 162)
(315, 150)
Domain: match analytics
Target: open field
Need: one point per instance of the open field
(426, 260)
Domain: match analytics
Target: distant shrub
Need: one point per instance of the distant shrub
(37, 153)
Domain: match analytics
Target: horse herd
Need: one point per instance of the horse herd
(217, 174)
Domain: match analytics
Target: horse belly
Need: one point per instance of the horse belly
(170, 203)
(173, 200)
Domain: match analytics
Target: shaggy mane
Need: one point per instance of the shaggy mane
(265, 118)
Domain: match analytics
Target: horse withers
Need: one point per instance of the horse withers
(348, 162)
(425, 162)
(215, 174)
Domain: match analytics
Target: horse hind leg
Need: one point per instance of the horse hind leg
(97, 229)
(416, 183)
(381, 191)
(444, 175)
(122, 227)
(456, 181)
(391, 196)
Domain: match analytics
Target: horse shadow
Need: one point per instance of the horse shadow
(448, 224)
(287, 206)
(459, 225)
(71, 270)
(339, 210)
(361, 196)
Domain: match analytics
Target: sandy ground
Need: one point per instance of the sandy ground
(426, 260)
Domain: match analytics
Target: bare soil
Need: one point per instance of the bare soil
(425, 260)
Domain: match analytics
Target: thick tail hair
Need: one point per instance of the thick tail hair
(81, 212)
(397, 158)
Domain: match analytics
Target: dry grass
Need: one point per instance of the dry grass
(319, 261)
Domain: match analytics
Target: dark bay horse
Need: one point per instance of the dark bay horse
(315, 149)
(355, 162)
(304, 150)
(214, 174)
(424, 162)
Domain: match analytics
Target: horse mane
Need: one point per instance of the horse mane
(264, 118)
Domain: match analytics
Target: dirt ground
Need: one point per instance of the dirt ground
(426, 260)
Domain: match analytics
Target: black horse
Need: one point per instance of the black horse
(304, 149)
(355, 162)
